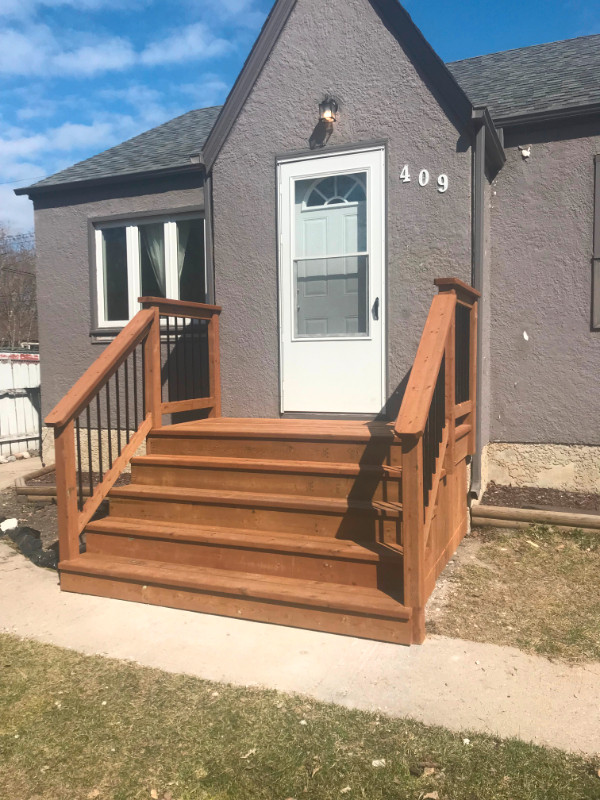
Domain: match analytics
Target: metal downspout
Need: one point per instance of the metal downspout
(477, 281)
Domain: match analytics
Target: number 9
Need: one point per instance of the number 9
(442, 183)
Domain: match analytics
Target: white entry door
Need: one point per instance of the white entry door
(332, 226)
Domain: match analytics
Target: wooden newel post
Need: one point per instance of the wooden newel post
(467, 296)
(66, 492)
(152, 376)
(214, 368)
(413, 522)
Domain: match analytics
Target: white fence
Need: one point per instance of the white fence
(19, 401)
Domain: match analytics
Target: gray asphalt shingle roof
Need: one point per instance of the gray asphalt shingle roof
(167, 146)
(545, 77)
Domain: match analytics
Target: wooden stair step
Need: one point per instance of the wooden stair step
(286, 591)
(337, 441)
(315, 430)
(275, 476)
(267, 465)
(236, 537)
(326, 505)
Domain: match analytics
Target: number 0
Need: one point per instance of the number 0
(442, 182)
(423, 177)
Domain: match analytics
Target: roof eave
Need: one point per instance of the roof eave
(90, 183)
(551, 115)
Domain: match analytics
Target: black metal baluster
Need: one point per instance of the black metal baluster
(99, 424)
(79, 471)
(118, 394)
(109, 424)
(135, 390)
(126, 400)
(195, 358)
(143, 381)
(186, 373)
(89, 442)
(169, 365)
(177, 360)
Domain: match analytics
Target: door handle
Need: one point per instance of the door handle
(375, 309)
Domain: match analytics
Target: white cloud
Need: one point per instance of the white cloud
(27, 8)
(37, 50)
(192, 42)
(110, 54)
(210, 90)
(241, 13)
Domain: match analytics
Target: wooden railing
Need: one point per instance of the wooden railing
(437, 411)
(169, 349)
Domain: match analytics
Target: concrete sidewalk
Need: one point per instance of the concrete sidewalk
(15, 469)
(460, 685)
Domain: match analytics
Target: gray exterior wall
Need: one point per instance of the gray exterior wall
(341, 48)
(63, 268)
(545, 389)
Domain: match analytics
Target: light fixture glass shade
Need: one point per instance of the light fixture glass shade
(328, 110)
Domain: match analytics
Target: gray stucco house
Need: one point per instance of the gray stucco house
(349, 168)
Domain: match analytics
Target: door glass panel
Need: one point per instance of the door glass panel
(152, 260)
(331, 296)
(190, 260)
(114, 258)
(331, 263)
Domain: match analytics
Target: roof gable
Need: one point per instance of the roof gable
(393, 16)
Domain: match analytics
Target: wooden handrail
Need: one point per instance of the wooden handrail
(180, 308)
(103, 368)
(412, 418)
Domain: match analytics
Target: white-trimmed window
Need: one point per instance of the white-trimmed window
(154, 257)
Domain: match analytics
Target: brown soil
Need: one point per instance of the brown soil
(530, 497)
(40, 516)
(49, 479)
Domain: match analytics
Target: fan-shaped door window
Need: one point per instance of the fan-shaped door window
(335, 190)
(331, 258)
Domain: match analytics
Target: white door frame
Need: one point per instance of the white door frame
(343, 161)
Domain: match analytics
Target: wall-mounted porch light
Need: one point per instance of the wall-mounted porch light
(327, 110)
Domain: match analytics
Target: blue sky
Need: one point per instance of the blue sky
(79, 76)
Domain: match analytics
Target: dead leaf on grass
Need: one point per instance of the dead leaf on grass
(153, 794)
(94, 793)
(378, 762)
(431, 796)
(249, 753)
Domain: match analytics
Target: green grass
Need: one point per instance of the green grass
(74, 727)
(534, 589)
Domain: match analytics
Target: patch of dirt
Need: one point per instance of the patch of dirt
(531, 497)
(40, 516)
(49, 479)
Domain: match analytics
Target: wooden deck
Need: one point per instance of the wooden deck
(334, 525)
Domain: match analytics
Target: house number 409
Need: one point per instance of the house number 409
(424, 178)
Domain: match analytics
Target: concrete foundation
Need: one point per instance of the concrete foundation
(571, 468)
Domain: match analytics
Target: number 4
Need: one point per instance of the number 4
(405, 174)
